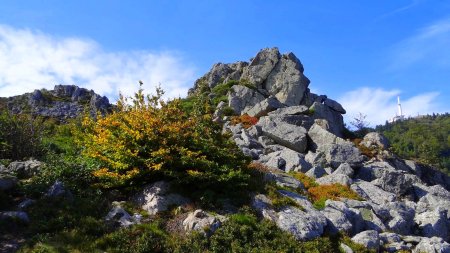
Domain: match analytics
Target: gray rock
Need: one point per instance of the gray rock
(344, 169)
(217, 74)
(284, 180)
(264, 107)
(316, 159)
(320, 136)
(401, 217)
(375, 140)
(370, 239)
(316, 172)
(7, 182)
(394, 181)
(288, 135)
(432, 245)
(249, 141)
(334, 105)
(433, 223)
(345, 248)
(396, 247)
(266, 141)
(431, 198)
(374, 170)
(118, 217)
(335, 119)
(291, 110)
(372, 192)
(337, 154)
(25, 169)
(339, 217)
(335, 179)
(302, 225)
(202, 222)
(287, 160)
(263, 205)
(261, 66)
(254, 131)
(241, 99)
(156, 198)
(414, 168)
(14, 216)
(286, 81)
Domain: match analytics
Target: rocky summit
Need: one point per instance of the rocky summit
(401, 206)
(63, 102)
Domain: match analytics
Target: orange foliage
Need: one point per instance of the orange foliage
(246, 120)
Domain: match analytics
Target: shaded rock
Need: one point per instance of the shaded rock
(316, 159)
(202, 222)
(394, 181)
(14, 216)
(344, 169)
(388, 237)
(340, 217)
(316, 172)
(290, 136)
(118, 217)
(25, 169)
(375, 140)
(26, 203)
(156, 198)
(432, 245)
(320, 136)
(400, 218)
(302, 225)
(336, 154)
(7, 182)
(287, 160)
(261, 66)
(374, 170)
(396, 247)
(291, 110)
(264, 107)
(334, 105)
(372, 192)
(57, 190)
(286, 81)
(263, 205)
(370, 239)
(241, 99)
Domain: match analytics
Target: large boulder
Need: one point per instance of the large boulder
(320, 135)
(284, 180)
(264, 107)
(396, 182)
(302, 225)
(334, 118)
(290, 110)
(287, 160)
(241, 99)
(334, 105)
(261, 66)
(337, 154)
(286, 81)
(341, 218)
(288, 135)
(373, 193)
(156, 198)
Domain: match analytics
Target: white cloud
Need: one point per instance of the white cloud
(32, 60)
(429, 44)
(380, 105)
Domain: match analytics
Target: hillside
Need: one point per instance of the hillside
(250, 161)
(425, 139)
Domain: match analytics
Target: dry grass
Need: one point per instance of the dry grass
(246, 120)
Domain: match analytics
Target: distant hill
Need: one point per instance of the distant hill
(426, 139)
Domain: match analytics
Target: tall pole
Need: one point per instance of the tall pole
(400, 114)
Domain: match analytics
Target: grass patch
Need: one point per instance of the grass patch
(320, 194)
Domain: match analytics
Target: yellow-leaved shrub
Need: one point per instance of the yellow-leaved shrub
(146, 139)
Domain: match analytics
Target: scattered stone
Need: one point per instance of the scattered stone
(14, 216)
(25, 204)
(57, 190)
(118, 217)
(284, 180)
(156, 198)
(25, 169)
(431, 245)
(202, 222)
(370, 239)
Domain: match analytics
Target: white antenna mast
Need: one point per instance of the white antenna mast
(400, 113)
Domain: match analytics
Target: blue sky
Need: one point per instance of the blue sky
(361, 53)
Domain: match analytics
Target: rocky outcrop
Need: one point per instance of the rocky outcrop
(202, 222)
(62, 103)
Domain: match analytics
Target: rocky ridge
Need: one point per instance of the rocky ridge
(63, 102)
(402, 207)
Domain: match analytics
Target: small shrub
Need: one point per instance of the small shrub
(319, 194)
(278, 200)
(246, 120)
(228, 111)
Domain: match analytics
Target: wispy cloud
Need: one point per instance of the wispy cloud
(380, 105)
(430, 44)
(411, 5)
(32, 60)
